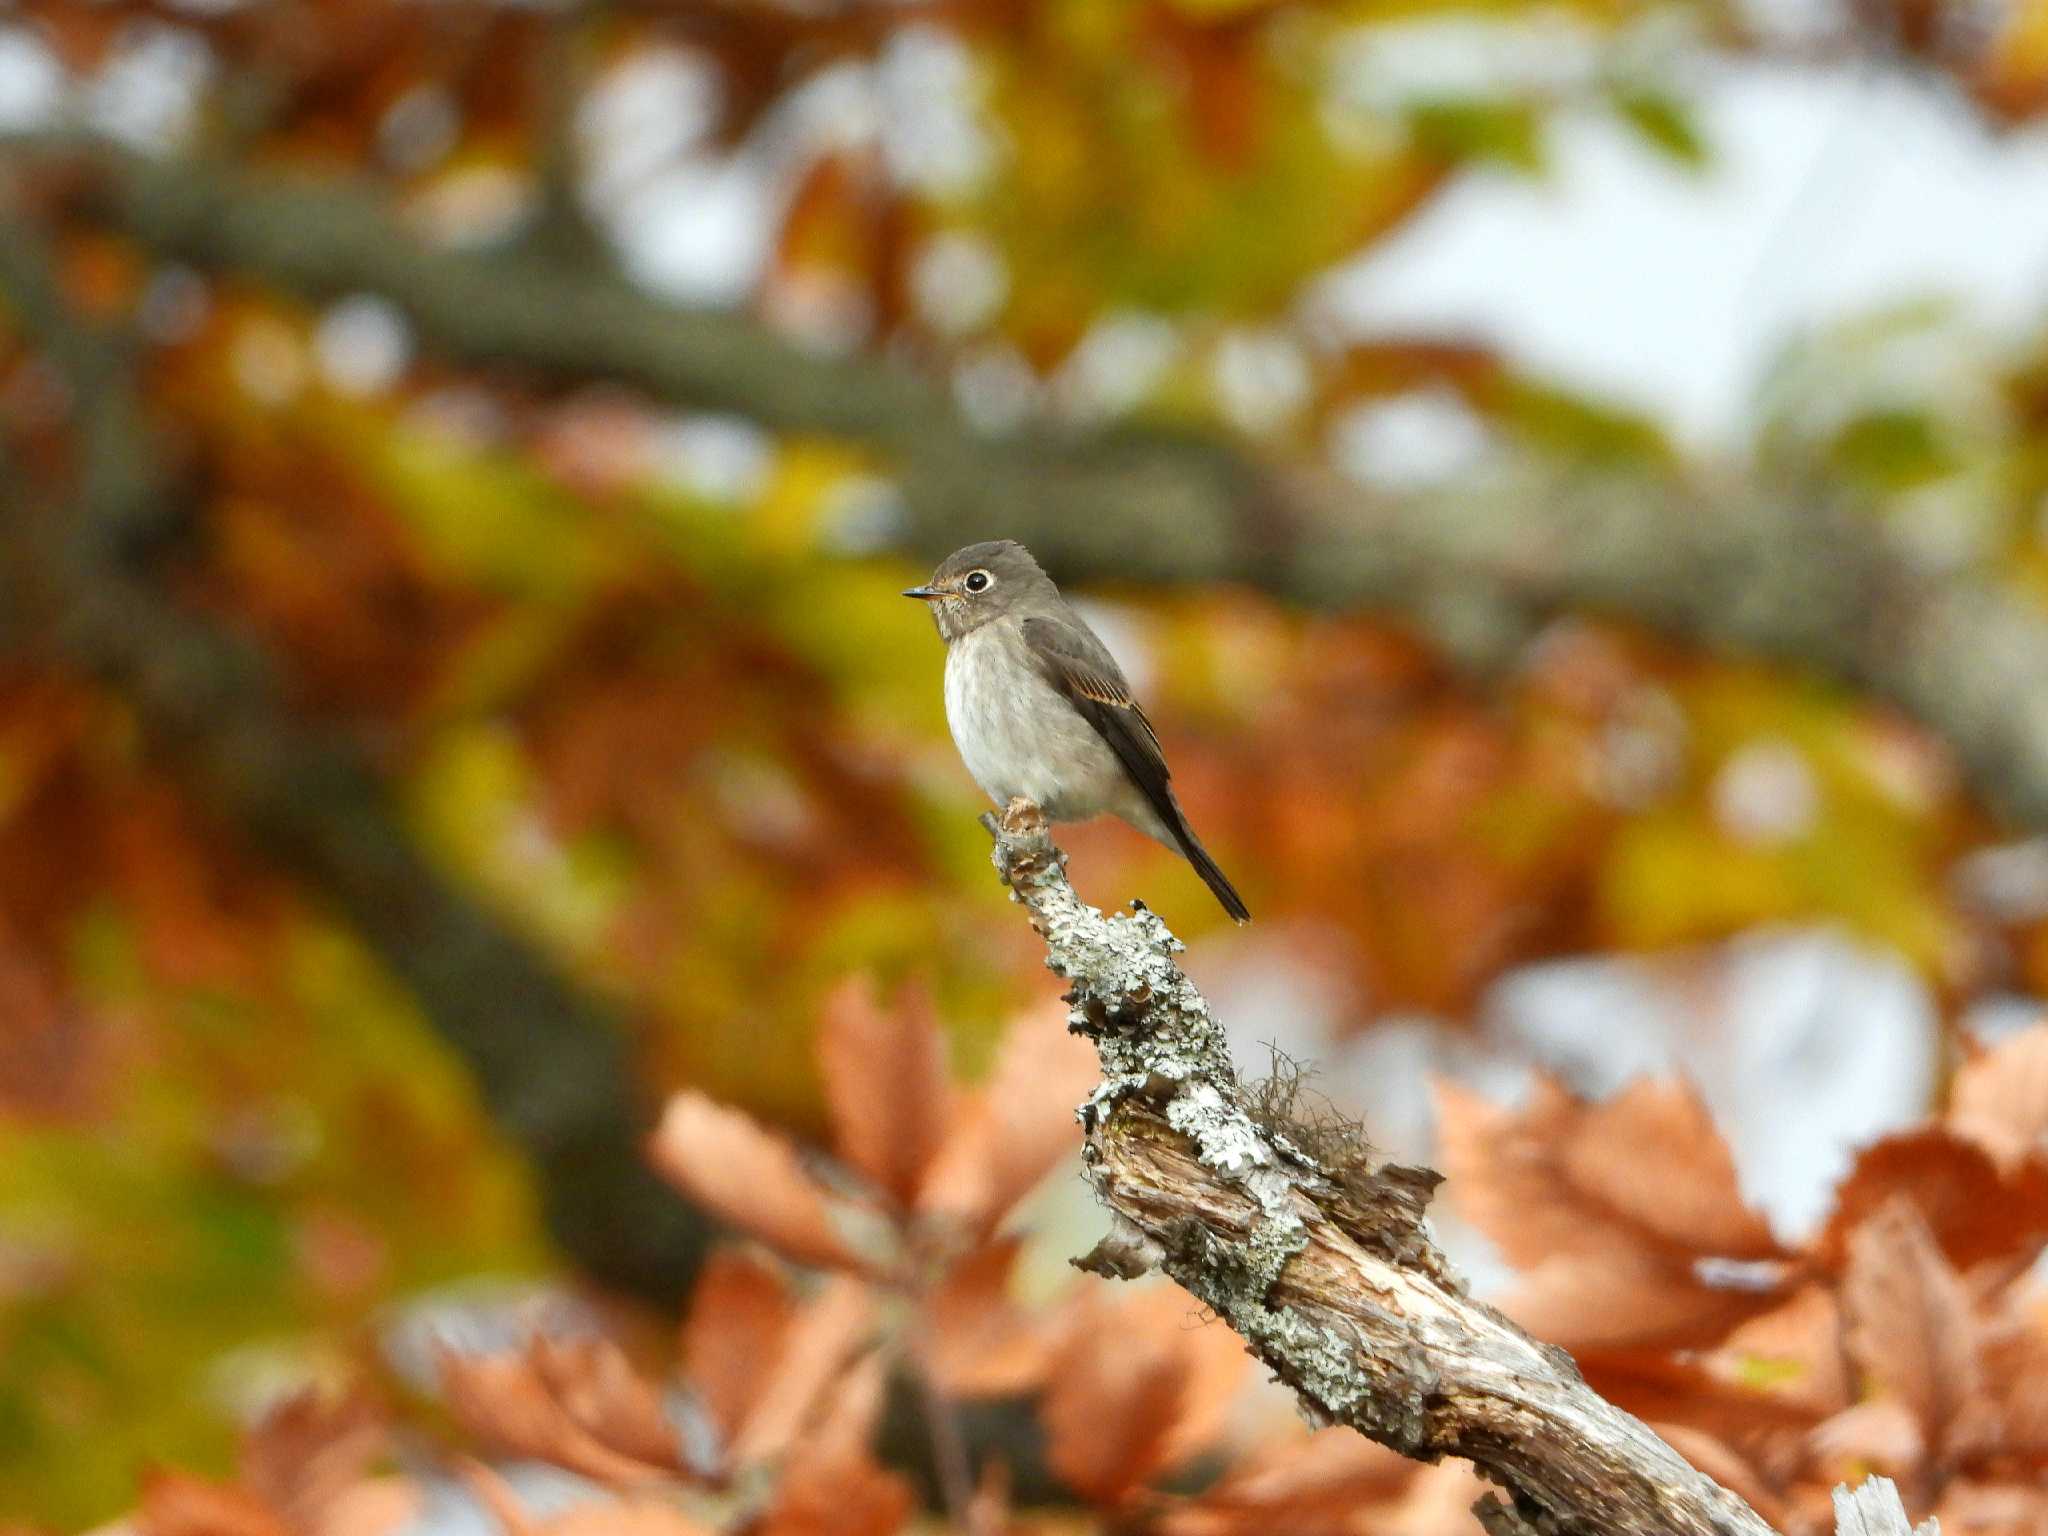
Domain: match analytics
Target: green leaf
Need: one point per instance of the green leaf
(1666, 125)
(1508, 133)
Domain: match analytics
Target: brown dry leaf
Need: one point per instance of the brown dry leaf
(831, 1484)
(739, 1320)
(598, 1388)
(1217, 1360)
(1691, 1390)
(817, 1497)
(1116, 1392)
(497, 1498)
(1631, 1300)
(625, 1517)
(512, 1404)
(2015, 1357)
(310, 1451)
(174, 1504)
(1626, 1214)
(1907, 1321)
(975, 1340)
(1882, 1434)
(885, 1084)
(1563, 1176)
(1795, 1351)
(1993, 1509)
(1302, 1483)
(825, 1335)
(1975, 1212)
(377, 1506)
(732, 1166)
(1999, 1099)
(1017, 1126)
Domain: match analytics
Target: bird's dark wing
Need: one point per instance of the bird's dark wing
(1080, 666)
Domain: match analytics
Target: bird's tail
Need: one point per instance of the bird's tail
(1211, 872)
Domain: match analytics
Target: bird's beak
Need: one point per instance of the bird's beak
(923, 594)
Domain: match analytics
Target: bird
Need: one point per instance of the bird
(1040, 710)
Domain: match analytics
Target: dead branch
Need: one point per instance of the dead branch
(1322, 1262)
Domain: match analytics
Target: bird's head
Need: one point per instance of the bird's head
(980, 583)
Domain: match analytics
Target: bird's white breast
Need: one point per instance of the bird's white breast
(1018, 735)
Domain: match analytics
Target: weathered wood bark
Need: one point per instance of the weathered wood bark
(1322, 1262)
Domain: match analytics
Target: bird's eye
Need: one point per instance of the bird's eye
(978, 581)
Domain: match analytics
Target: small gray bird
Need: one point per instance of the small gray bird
(1040, 709)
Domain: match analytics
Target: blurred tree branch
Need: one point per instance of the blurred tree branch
(1774, 570)
(551, 1065)
(1322, 1262)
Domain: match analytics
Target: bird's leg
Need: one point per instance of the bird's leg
(1022, 817)
(1023, 843)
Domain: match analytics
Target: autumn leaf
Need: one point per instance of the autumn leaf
(826, 1334)
(975, 1340)
(1016, 1126)
(1700, 1392)
(1626, 1215)
(576, 1404)
(1907, 1323)
(830, 1485)
(1999, 1099)
(174, 1504)
(599, 1389)
(1109, 1416)
(592, 1517)
(310, 1452)
(1303, 1482)
(1136, 1388)
(729, 1164)
(740, 1316)
(1975, 1211)
(885, 1084)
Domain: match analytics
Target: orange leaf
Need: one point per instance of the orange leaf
(599, 1389)
(885, 1084)
(1107, 1420)
(1017, 1126)
(557, 1403)
(311, 1451)
(1627, 1214)
(1332, 1473)
(2000, 1097)
(174, 1504)
(1907, 1319)
(826, 1334)
(752, 1177)
(1135, 1389)
(976, 1341)
(740, 1317)
(1974, 1211)
(831, 1484)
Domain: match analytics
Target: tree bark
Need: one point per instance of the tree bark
(1321, 1260)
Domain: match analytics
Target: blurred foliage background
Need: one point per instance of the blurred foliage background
(459, 464)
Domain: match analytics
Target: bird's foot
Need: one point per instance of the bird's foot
(1022, 817)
